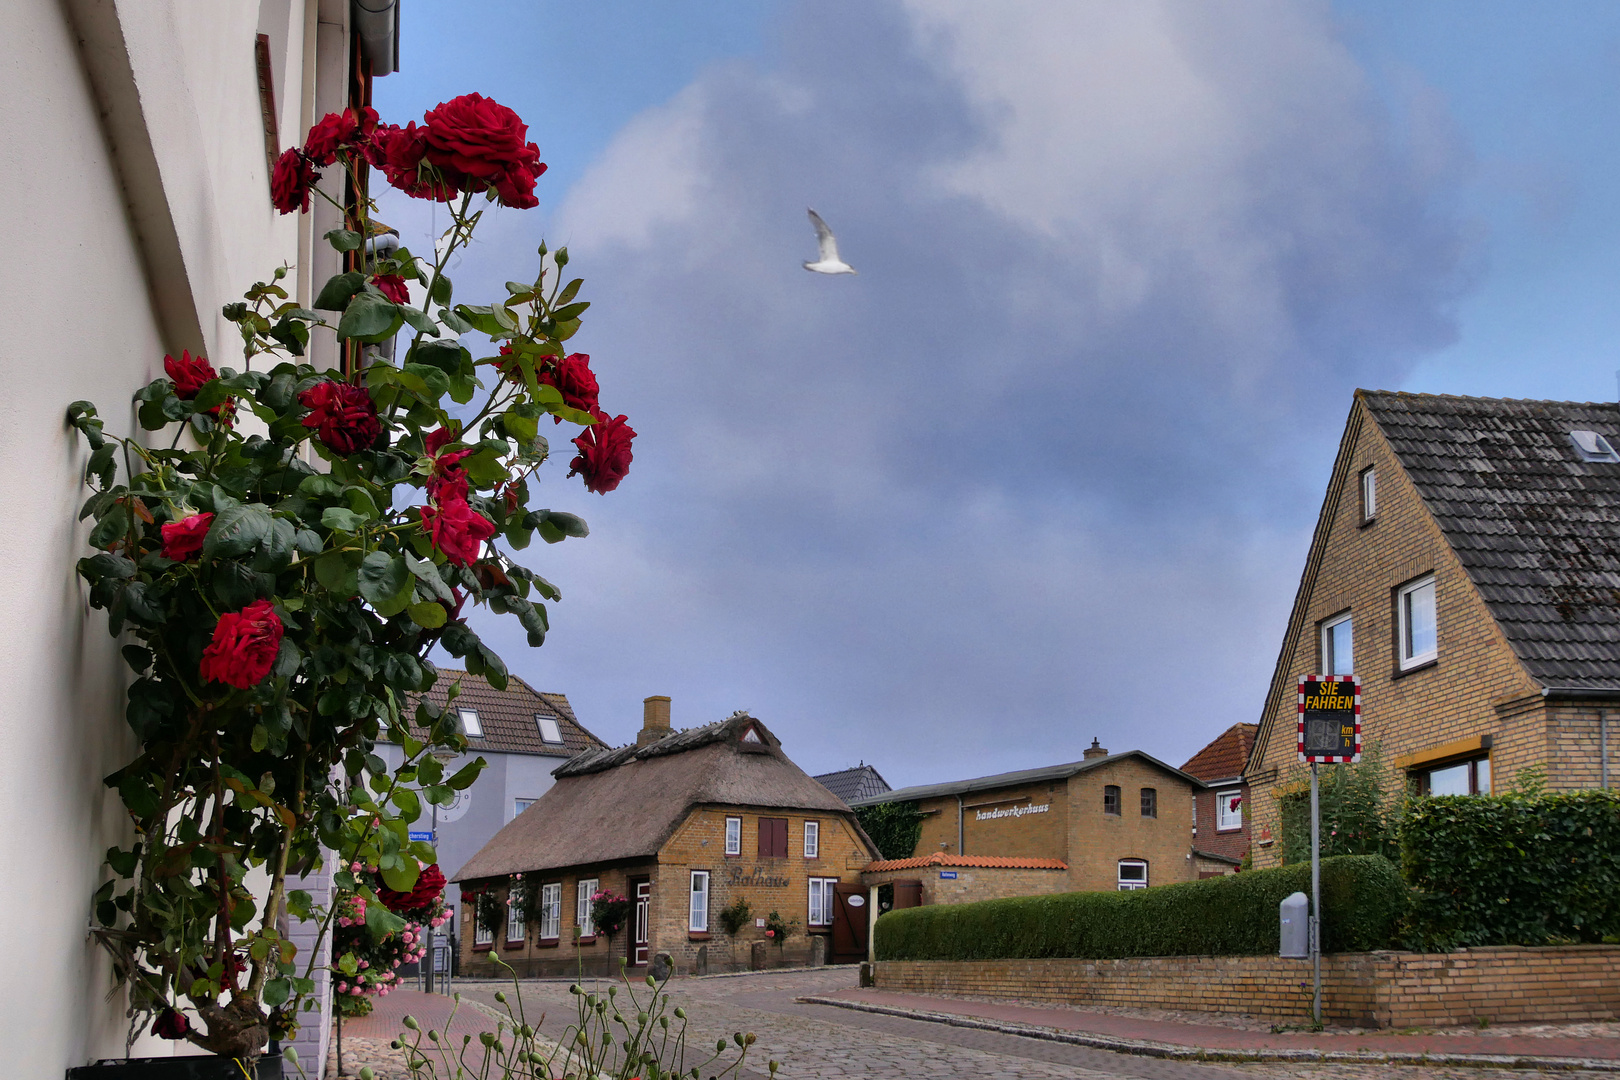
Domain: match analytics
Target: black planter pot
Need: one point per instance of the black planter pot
(175, 1068)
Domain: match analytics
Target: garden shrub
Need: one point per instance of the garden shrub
(894, 827)
(1512, 869)
(1363, 901)
(1358, 816)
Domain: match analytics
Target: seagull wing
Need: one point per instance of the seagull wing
(824, 238)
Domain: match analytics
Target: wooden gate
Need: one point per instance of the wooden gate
(849, 924)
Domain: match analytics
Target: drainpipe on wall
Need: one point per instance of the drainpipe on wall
(959, 850)
(1603, 745)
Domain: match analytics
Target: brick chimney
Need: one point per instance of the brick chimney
(1092, 751)
(654, 720)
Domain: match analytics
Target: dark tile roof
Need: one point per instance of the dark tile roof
(1023, 776)
(1225, 756)
(1536, 527)
(508, 716)
(624, 804)
(861, 782)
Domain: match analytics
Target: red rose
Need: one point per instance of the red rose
(291, 181)
(604, 453)
(398, 152)
(343, 416)
(171, 1024)
(182, 540)
(338, 131)
(449, 481)
(393, 286)
(429, 885)
(244, 646)
(479, 143)
(457, 530)
(573, 377)
(189, 374)
(437, 440)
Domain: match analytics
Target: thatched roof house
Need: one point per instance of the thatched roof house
(685, 823)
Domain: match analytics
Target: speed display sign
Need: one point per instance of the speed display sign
(1330, 719)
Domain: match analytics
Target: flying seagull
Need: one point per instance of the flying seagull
(829, 263)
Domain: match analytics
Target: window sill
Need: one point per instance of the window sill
(510, 945)
(733, 854)
(485, 947)
(1368, 521)
(1401, 673)
(547, 943)
(697, 935)
(585, 939)
(1229, 829)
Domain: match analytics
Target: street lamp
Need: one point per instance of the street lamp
(444, 756)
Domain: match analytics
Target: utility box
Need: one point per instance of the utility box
(1294, 926)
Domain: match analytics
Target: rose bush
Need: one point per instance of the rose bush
(283, 551)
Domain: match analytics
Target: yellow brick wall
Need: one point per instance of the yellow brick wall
(1097, 841)
(975, 882)
(570, 953)
(1382, 989)
(1457, 698)
(1032, 836)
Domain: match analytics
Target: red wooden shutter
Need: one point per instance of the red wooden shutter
(781, 838)
(773, 838)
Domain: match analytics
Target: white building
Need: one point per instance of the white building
(135, 147)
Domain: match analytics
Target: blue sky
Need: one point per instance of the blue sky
(1062, 442)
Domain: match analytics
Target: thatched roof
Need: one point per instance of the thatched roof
(616, 805)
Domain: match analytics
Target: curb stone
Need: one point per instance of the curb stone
(1173, 1052)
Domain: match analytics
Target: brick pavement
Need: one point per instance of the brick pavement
(821, 1041)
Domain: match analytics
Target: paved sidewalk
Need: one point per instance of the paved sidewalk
(1164, 1038)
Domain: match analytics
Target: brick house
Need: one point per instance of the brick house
(522, 733)
(1220, 832)
(1465, 567)
(684, 824)
(1110, 821)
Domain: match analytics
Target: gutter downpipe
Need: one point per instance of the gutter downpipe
(1603, 745)
(1582, 694)
(959, 840)
(376, 24)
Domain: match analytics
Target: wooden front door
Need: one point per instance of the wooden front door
(849, 924)
(640, 923)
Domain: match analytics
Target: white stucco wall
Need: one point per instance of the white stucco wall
(124, 236)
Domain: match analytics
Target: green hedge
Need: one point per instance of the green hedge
(1362, 898)
(1512, 869)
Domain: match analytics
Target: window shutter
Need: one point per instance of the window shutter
(781, 838)
(767, 835)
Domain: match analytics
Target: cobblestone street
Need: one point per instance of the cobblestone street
(816, 1042)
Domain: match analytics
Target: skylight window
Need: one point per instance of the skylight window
(549, 731)
(1590, 446)
(470, 726)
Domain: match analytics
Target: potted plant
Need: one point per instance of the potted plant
(284, 546)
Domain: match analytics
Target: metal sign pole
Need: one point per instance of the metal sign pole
(1316, 901)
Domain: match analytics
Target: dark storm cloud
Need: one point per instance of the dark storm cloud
(1057, 448)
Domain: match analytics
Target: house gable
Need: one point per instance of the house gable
(1357, 567)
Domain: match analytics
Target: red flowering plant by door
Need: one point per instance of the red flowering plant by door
(284, 547)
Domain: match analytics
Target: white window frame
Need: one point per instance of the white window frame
(822, 898)
(471, 726)
(1132, 884)
(1403, 603)
(1227, 819)
(697, 911)
(733, 836)
(516, 930)
(812, 839)
(482, 935)
(583, 891)
(551, 911)
(1369, 493)
(520, 805)
(1329, 658)
(541, 721)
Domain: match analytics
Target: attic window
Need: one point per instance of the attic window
(470, 726)
(752, 735)
(549, 731)
(1590, 446)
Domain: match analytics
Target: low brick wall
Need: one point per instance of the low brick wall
(1380, 989)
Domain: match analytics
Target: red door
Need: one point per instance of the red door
(849, 924)
(638, 938)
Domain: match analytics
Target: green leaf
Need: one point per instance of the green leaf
(464, 777)
(441, 291)
(382, 577)
(343, 240)
(401, 877)
(410, 807)
(337, 573)
(340, 519)
(481, 317)
(570, 313)
(431, 614)
(455, 322)
(319, 486)
(336, 293)
(570, 291)
(370, 317)
(236, 530)
(419, 321)
(111, 528)
(428, 574)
